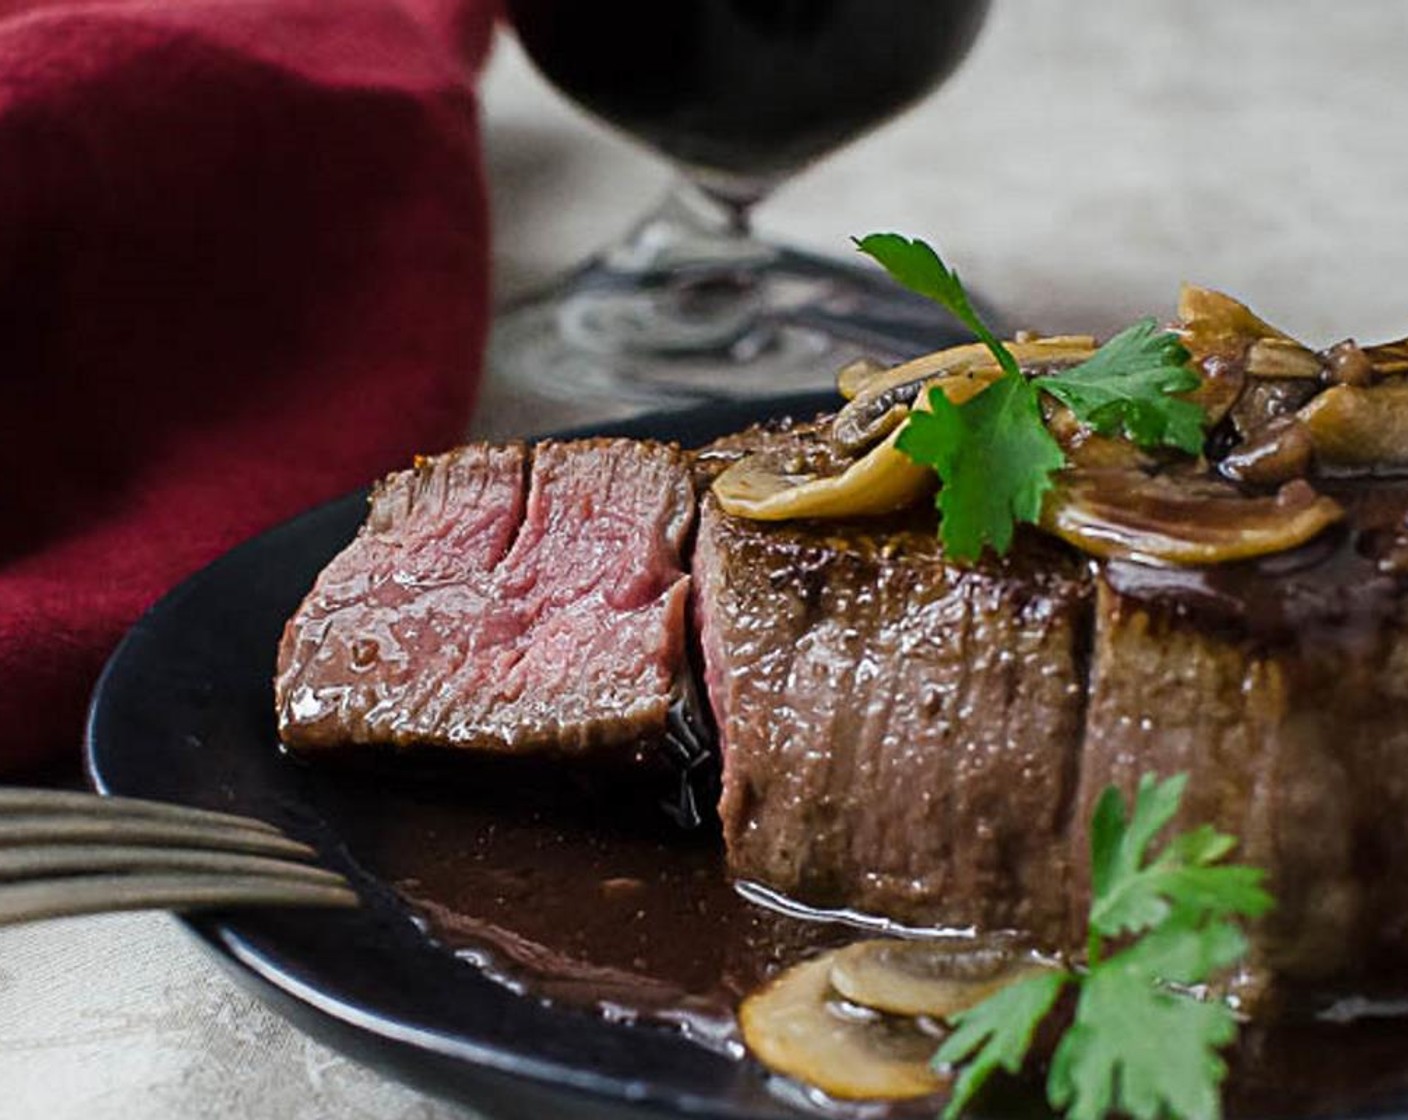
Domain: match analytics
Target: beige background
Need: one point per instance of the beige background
(1088, 158)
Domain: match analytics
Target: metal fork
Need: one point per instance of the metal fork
(64, 853)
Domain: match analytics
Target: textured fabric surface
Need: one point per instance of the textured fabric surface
(123, 1016)
(242, 269)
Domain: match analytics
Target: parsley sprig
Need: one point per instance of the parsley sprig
(1139, 1044)
(995, 458)
(993, 453)
(1126, 388)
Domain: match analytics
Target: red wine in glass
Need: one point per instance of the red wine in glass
(739, 94)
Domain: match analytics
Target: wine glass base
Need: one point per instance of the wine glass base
(781, 322)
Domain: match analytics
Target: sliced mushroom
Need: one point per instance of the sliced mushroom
(761, 487)
(870, 414)
(901, 383)
(1283, 358)
(1388, 358)
(1347, 364)
(853, 377)
(798, 1026)
(1359, 429)
(1212, 323)
(1234, 346)
(773, 487)
(1265, 401)
(1283, 450)
(856, 431)
(1187, 520)
(1224, 380)
(936, 978)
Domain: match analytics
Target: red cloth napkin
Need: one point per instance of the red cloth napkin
(242, 270)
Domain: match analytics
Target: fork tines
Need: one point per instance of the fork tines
(64, 853)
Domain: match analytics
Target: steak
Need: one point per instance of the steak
(503, 599)
(899, 735)
(927, 741)
(1282, 689)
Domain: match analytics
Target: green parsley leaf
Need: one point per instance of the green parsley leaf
(1117, 846)
(997, 1033)
(995, 458)
(1139, 1049)
(1130, 896)
(1125, 388)
(1184, 950)
(919, 268)
(993, 453)
(1137, 1046)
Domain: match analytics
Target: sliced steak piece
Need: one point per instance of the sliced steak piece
(1281, 688)
(900, 735)
(503, 599)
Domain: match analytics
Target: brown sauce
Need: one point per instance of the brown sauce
(1345, 586)
(585, 894)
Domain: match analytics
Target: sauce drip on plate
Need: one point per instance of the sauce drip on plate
(582, 893)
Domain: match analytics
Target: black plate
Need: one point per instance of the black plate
(184, 713)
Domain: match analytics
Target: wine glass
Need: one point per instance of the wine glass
(740, 94)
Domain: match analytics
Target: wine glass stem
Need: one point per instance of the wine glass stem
(692, 227)
(686, 278)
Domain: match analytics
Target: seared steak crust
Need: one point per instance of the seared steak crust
(899, 735)
(1282, 690)
(928, 742)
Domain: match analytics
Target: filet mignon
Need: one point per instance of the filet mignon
(1281, 687)
(927, 741)
(899, 735)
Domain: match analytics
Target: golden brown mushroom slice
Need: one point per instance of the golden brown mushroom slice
(853, 377)
(1388, 359)
(1359, 429)
(766, 487)
(1280, 451)
(1181, 519)
(782, 486)
(1284, 359)
(797, 1026)
(1231, 343)
(878, 404)
(1212, 322)
(938, 978)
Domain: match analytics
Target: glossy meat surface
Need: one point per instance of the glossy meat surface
(899, 735)
(927, 742)
(504, 599)
(1282, 689)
